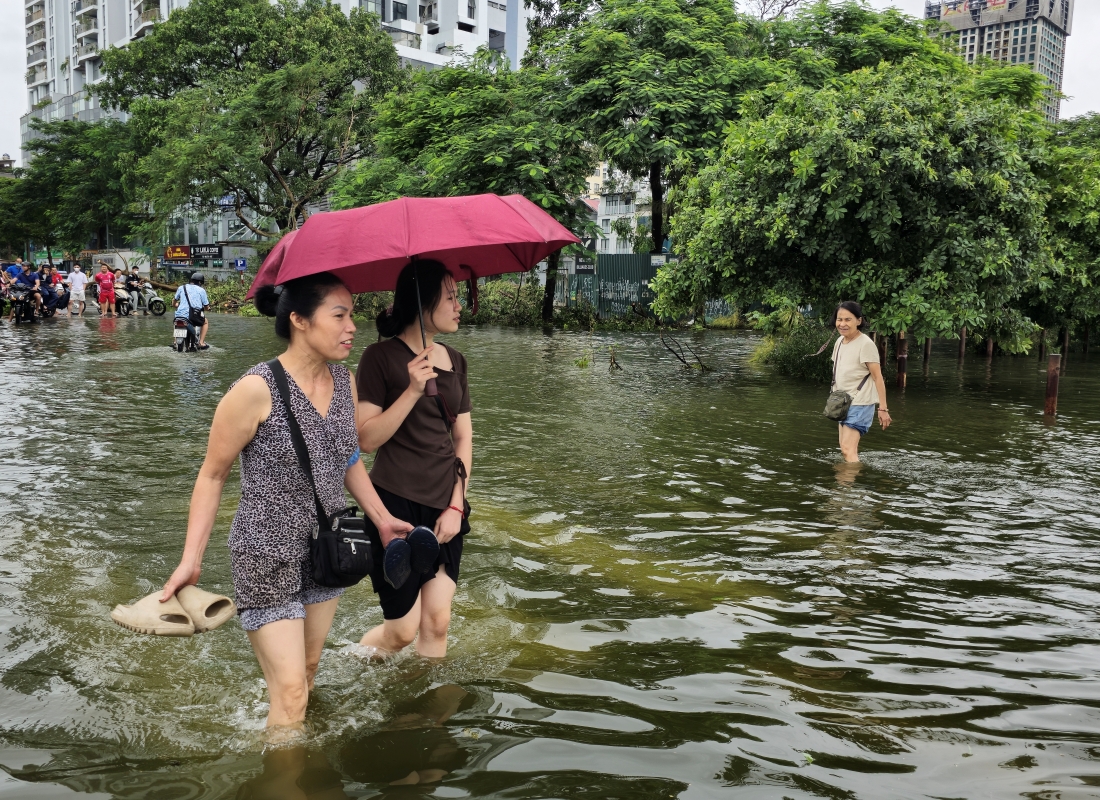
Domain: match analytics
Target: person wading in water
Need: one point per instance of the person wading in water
(425, 452)
(855, 358)
(287, 615)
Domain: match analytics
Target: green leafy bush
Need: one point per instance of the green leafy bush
(794, 354)
(506, 302)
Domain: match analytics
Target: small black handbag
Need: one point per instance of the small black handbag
(839, 402)
(339, 550)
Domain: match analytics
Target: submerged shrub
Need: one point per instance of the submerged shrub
(794, 353)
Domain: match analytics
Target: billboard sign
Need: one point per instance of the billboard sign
(207, 251)
(177, 252)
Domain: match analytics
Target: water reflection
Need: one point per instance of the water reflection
(670, 589)
(416, 747)
(294, 773)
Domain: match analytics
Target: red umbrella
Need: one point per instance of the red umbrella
(475, 236)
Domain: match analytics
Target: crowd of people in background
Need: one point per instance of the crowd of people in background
(46, 283)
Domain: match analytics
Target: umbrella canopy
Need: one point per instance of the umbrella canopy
(475, 236)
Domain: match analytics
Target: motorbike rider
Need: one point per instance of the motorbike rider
(133, 286)
(45, 285)
(190, 297)
(30, 280)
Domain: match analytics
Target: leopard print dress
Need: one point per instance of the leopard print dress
(269, 538)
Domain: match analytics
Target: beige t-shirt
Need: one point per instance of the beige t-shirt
(851, 360)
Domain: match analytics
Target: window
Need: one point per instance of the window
(471, 9)
(605, 225)
(466, 26)
(400, 11)
(496, 41)
(373, 6)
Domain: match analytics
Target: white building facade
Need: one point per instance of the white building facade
(1027, 32)
(64, 38)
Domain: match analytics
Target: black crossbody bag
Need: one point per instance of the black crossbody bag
(339, 550)
(839, 403)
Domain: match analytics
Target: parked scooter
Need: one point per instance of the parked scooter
(123, 304)
(185, 337)
(149, 301)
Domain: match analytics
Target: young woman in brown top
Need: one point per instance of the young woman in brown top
(424, 452)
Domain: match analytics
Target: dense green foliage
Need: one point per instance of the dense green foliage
(652, 83)
(796, 354)
(74, 188)
(474, 128)
(253, 104)
(897, 186)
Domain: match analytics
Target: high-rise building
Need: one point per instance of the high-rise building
(64, 38)
(1029, 32)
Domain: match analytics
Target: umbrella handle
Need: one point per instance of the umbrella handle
(430, 389)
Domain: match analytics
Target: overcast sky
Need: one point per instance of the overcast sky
(1082, 60)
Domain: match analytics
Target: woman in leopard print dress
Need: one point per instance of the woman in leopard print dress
(286, 614)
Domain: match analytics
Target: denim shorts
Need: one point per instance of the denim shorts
(860, 418)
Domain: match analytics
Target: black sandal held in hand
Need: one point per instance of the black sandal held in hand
(425, 549)
(397, 563)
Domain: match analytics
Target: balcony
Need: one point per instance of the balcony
(85, 52)
(429, 14)
(37, 76)
(82, 7)
(34, 17)
(36, 55)
(145, 21)
(36, 34)
(90, 27)
(402, 37)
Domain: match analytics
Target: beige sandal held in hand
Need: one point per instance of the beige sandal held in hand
(206, 609)
(149, 615)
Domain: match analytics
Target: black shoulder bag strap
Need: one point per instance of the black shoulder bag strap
(296, 437)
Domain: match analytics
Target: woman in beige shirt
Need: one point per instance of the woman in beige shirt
(856, 370)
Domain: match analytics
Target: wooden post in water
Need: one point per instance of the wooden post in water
(927, 348)
(880, 341)
(989, 347)
(1042, 344)
(1085, 339)
(1065, 347)
(1053, 365)
(962, 342)
(903, 358)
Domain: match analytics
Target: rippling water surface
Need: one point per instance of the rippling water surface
(671, 590)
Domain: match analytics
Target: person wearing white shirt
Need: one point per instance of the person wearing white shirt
(77, 281)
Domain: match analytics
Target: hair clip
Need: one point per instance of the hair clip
(278, 290)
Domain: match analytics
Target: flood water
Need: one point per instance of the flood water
(670, 589)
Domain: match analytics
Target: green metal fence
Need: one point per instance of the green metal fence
(618, 287)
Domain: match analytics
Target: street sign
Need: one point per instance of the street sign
(586, 265)
(241, 264)
(207, 251)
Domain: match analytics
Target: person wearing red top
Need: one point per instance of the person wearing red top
(105, 279)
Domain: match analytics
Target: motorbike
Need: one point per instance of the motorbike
(22, 304)
(123, 302)
(149, 300)
(53, 302)
(184, 336)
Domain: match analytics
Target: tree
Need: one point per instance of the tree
(770, 10)
(14, 232)
(474, 128)
(1068, 291)
(254, 104)
(77, 178)
(654, 82)
(910, 188)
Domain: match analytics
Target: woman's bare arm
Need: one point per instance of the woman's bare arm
(236, 419)
(876, 375)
